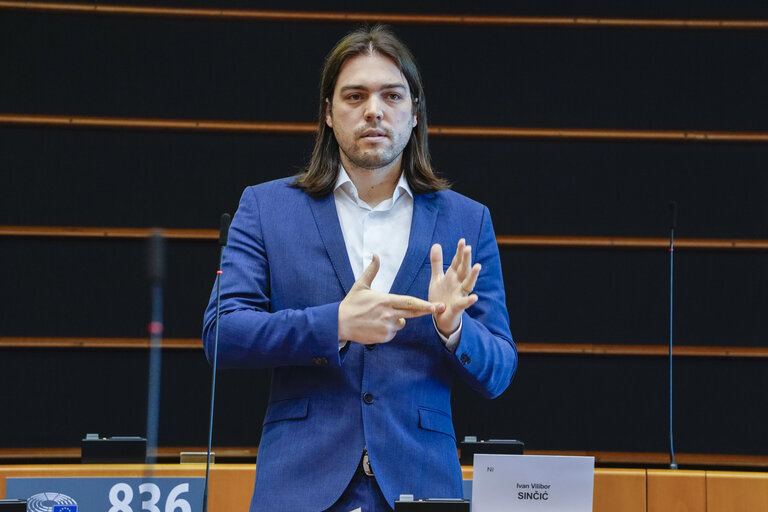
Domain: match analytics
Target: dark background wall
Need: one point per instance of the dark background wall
(546, 77)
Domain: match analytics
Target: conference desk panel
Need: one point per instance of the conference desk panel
(729, 491)
(230, 485)
(676, 490)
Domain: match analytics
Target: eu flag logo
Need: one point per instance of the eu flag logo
(64, 508)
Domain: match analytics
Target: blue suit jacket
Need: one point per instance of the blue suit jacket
(285, 271)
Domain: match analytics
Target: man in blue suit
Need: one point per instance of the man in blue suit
(335, 279)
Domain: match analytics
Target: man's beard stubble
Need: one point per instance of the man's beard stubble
(375, 159)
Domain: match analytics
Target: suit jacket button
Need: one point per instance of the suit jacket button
(319, 361)
(370, 346)
(465, 359)
(368, 398)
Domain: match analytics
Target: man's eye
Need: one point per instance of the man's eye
(393, 96)
(353, 97)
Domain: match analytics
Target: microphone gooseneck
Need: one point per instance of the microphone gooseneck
(226, 219)
(672, 226)
(156, 271)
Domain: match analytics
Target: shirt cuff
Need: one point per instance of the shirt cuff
(452, 341)
(343, 344)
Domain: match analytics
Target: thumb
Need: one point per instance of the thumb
(366, 279)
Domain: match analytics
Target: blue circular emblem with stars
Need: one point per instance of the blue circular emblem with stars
(51, 502)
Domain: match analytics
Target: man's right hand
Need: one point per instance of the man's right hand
(367, 316)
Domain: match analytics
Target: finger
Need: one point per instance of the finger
(466, 261)
(410, 307)
(436, 259)
(466, 302)
(456, 261)
(400, 323)
(370, 273)
(469, 283)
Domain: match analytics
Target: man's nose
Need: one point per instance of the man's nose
(374, 109)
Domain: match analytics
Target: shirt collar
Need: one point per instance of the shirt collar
(344, 182)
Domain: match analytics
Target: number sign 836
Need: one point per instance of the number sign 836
(121, 495)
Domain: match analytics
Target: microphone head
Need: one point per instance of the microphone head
(226, 219)
(156, 256)
(673, 214)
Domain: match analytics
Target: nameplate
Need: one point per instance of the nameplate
(532, 483)
(87, 494)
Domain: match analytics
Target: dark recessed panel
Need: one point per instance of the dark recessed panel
(616, 296)
(553, 77)
(601, 188)
(621, 404)
(99, 288)
(532, 187)
(53, 397)
(68, 177)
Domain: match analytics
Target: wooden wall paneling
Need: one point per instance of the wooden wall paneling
(555, 242)
(115, 343)
(619, 490)
(363, 17)
(736, 492)
(231, 487)
(563, 349)
(434, 130)
(676, 491)
(246, 454)
(169, 453)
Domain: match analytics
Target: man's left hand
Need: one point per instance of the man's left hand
(452, 287)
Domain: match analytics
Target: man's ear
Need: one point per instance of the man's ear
(415, 111)
(328, 119)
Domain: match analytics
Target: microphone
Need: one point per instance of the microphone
(673, 214)
(226, 219)
(156, 271)
(672, 226)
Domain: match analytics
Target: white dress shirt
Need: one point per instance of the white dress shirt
(383, 230)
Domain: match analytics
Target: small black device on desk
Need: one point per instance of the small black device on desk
(113, 450)
(470, 446)
(406, 503)
(7, 505)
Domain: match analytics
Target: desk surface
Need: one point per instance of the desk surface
(627, 490)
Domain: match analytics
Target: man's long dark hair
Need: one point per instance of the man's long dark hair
(321, 173)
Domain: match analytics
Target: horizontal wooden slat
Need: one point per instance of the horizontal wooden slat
(156, 124)
(594, 242)
(601, 457)
(344, 17)
(105, 232)
(661, 458)
(438, 131)
(134, 343)
(524, 348)
(630, 242)
(639, 350)
(11, 454)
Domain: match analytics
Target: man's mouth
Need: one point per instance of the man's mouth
(373, 134)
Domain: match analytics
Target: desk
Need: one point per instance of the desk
(625, 490)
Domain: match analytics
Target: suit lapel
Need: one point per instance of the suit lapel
(327, 220)
(419, 242)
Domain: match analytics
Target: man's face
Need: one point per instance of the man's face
(371, 113)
